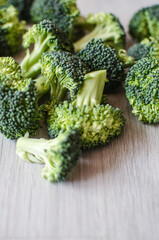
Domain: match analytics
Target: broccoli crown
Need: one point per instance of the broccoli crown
(64, 71)
(106, 27)
(145, 23)
(142, 89)
(19, 112)
(97, 56)
(148, 47)
(61, 12)
(59, 155)
(97, 125)
(45, 36)
(11, 30)
(23, 7)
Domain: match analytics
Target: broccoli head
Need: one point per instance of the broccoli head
(45, 36)
(98, 56)
(59, 155)
(148, 47)
(19, 110)
(62, 12)
(11, 30)
(23, 7)
(97, 124)
(106, 27)
(64, 71)
(142, 89)
(145, 23)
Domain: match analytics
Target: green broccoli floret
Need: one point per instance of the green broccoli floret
(62, 12)
(106, 27)
(23, 7)
(145, 23)
(142, 89)
(97, 124)
(148, 47)
(98, 56)
(11, 30)
(45, 36)
(59, 155)
(64, 71)
(19, 110)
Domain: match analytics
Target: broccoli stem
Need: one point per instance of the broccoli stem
(31, 149)
(105, 34)
(92, 90)
(30, 64)
(42, 85)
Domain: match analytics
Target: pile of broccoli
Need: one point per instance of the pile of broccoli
(71, 64)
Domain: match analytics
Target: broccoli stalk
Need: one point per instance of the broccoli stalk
(45, 36)
(95, 82)
(106, 27)
(59, 155)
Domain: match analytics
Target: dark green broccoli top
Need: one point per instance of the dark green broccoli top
(98, 56)
(148, 47)
(61, 12)
(145, 23)
(142, 89)
(19, 111)
(66, 71)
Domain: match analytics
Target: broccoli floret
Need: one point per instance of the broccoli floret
(19, 110)
(148, 47)
(127, 60)
(45, 36)
(97, 124)
(142, 89)
(11, 30)
(23, 7)
(62, 12)
(64, 71)
(98, 56)
(59, 155)
(106, 27)
(145, 23)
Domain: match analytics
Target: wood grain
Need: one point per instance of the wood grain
(113, 192)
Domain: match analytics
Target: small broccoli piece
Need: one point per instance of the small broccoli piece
(127, 60)
(98, 56)
(45, 36)
(145, 23)
(142, 89)
(97, 124)
(106, 27)
(19, 110)
(59, 155)
(64, 71)
(23, 7)
(62, 12)
(11, 30)
(148, 47)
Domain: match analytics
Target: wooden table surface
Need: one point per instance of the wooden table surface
(113, 192)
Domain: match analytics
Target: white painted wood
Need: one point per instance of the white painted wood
(113, 192)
